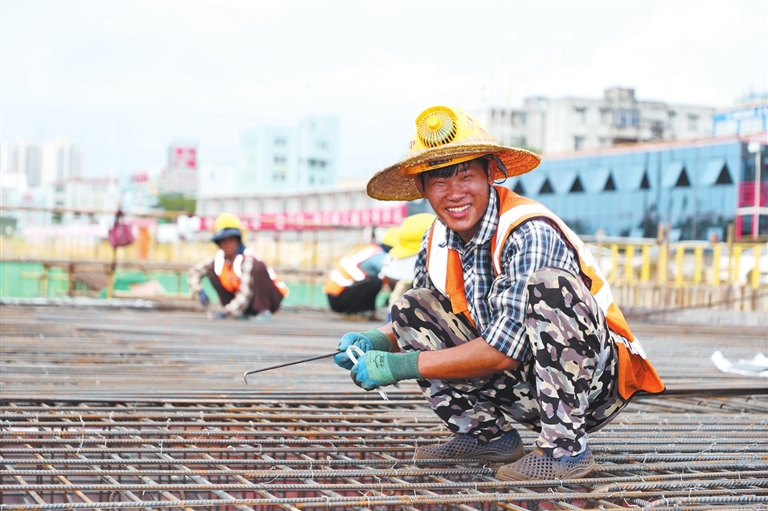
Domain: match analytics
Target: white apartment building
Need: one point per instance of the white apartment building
(61, 160)
(21, 158)
(344, 196)
(81, 196)
(289, 158)
(553, 125)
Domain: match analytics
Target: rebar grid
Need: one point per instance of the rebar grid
(169, 426)
(109, 456)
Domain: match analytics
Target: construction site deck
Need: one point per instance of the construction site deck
(146, 408)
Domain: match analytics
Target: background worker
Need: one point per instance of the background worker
(245, 284)
(352, 286)
(509, 319)
(399, 267)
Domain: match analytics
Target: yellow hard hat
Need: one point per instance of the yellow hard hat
(446, 136)
(411, 231)
(391, 237)
(225, 226)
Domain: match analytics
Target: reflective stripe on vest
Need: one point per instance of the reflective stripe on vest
(442, 262)
(445, 271)
(348, 270)
(230, 275)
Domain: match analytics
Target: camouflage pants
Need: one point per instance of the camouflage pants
(564, 389)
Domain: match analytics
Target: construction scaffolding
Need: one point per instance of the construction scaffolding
(143, 409)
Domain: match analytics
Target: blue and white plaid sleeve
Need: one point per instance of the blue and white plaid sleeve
(535, 244)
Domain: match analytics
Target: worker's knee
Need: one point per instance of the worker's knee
(422, 319)
(556, 288)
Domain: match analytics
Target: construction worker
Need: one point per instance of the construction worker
(398, 271)
(352, 286)
(509, 320)
(245, 284)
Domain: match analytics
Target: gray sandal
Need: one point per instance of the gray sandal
(539, 465)
(505, 449)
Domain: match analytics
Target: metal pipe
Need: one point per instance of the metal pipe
(278, 366)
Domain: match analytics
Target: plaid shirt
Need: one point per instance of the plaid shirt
(498, 303)
(243, 296)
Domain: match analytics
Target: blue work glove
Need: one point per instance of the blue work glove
(375, 369)
(221, 315)
(204, 301)
(373, 339)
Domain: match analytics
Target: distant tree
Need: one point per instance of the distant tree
(176, 202)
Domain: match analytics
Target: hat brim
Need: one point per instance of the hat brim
(394, 182)
(228, 232)
(403, 251)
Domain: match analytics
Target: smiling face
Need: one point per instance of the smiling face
(459, 200)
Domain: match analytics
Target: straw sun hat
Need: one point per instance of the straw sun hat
(446, 136)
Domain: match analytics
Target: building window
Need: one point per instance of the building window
(682, 180)
(645, 184)
(280, 160)
(578, 142)
(603, 141)
(724, 178)
(576, 187)
(626, 117)
(280, 142)
(581, 115)
(693, 122)
(606, 115)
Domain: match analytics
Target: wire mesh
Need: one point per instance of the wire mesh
(139, 410)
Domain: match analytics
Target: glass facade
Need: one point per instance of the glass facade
(628, 191)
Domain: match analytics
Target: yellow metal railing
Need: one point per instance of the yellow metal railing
(636, 261)
(687, 263)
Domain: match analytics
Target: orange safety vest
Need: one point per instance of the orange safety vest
(445, 271)
(230, 273)
(348, 270)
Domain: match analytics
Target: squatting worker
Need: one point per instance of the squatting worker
(245, 284)
(509, 319)
(355, 282)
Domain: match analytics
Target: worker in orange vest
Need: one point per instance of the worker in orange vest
(353, 285)
(509, 320)
(245, 284)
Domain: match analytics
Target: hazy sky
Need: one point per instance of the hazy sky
(125, 79)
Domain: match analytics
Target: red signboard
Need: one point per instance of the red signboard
(183, 157)
(374, 217)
